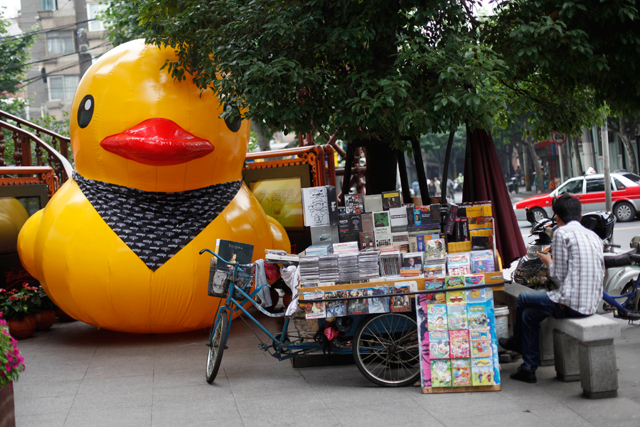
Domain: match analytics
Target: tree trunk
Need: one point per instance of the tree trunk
(382, 167)
(536, 165)
(626, 141)
(526, 166)
(263, 141)
(579, 169)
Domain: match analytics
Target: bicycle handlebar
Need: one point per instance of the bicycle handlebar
(236, 264)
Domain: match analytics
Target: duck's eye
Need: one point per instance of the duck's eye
(85, 111)
(232, 124)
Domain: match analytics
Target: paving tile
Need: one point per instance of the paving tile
(216, 396)
(395, 414)
(115, 384)
(109, 400)
(189, 378)
(605, 411)
(195, 414)
(123, 366)
(466, 404)
(50, 419)
(43, 405)
(511, 419)
(308, 418)
(530, 397)
(115, 417)
(253, 407)
(30, 390)
(561, 416)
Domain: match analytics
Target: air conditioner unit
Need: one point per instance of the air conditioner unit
(83, 48)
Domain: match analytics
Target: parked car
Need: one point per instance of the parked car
(589, 189)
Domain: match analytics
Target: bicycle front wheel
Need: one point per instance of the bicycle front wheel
(385, 349)
(217, 341)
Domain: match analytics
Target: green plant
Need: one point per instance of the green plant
(11, 361)
(17, 304)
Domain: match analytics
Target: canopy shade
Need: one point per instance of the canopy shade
(483, 181)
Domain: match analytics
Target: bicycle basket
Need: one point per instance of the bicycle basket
(218, 283)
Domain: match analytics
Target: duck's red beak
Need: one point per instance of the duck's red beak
(157, 142)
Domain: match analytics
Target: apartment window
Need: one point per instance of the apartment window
(59, 42)
(49, 5)
(62, 87)
(94, 11)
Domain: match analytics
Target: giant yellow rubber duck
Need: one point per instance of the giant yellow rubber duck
(158, 178)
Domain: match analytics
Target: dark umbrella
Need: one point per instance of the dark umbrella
(483, 181)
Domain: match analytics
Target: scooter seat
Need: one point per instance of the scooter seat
(620, 260)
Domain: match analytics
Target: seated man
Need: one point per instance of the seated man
(577, 262)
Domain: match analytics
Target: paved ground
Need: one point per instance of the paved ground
(78, 375)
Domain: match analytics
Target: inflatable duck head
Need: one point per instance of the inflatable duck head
(134, 126)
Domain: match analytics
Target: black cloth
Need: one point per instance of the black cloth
(155, 225)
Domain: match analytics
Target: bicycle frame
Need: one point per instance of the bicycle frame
(232, 305)
(611, 299)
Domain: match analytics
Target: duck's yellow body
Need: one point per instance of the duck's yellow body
(81, 262)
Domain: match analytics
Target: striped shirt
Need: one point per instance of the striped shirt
(578, 262)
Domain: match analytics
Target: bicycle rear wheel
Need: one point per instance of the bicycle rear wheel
(385, 349)
(217, 341)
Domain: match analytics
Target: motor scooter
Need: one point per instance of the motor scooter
(512, 185)
(531, 272)
(621, 273)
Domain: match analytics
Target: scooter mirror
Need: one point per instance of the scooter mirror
(531, 217)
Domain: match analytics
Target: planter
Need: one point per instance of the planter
(7, 407)
(21, 329)
(45, 320)
(62, 316)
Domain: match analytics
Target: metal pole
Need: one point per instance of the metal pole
(560, 161)
(607, 167)
(422, 176)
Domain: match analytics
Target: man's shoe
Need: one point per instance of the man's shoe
(509, 344)
(524, 376)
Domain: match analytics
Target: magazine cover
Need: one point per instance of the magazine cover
(459, 344)
(400, 302)
(437, 317)
(378, 305)
(453, 282)
(482, 372)
(474, 279)
(461, 372)
(482, 261)
(458, 264)
(477, 315)
(411, 264)
(314, 310)
(479, 295)
(233, 252)
(435, 270)
(373, 202)
(336, 308)
(457, 316)
(432, 283)
(439, 345)
(356, 306)
(423, 340)
(354, 203)
(391, 199)
(480, 342)
(435, 249)
(456, 297)
(441, 373)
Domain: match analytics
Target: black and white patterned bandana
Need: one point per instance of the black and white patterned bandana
(156, 225)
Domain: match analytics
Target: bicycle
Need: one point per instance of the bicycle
(384, 346)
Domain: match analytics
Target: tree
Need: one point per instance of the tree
(626, 127)
(14, 53)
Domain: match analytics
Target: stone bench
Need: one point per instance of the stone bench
(581, 349)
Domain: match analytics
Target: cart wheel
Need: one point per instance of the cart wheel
(385, 349)
(217, 341)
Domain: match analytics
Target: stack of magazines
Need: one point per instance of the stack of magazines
(328, 265)
(309, 271)
(348, 267)
(390, 261)
(368, 264)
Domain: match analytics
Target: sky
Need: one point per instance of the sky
(12, 7)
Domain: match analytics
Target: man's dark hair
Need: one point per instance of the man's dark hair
(567, 208)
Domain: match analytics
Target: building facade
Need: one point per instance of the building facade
(70, 39)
